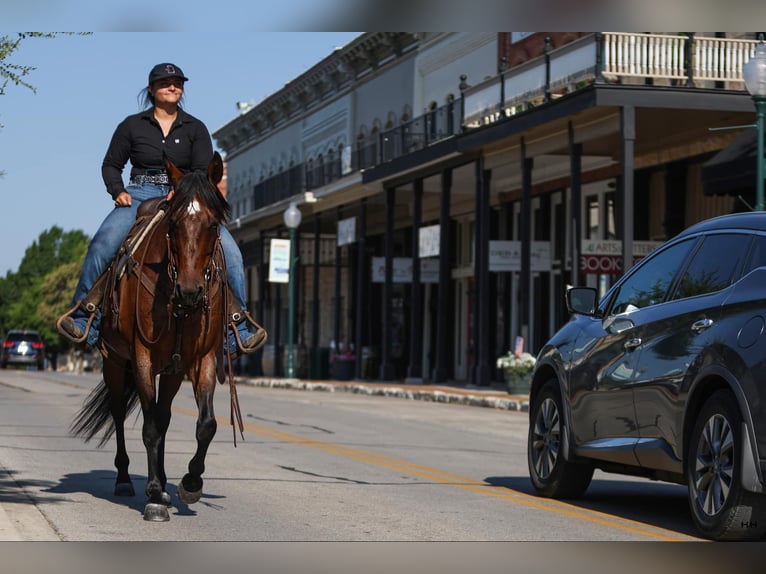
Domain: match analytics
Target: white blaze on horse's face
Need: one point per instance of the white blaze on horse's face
(193, 207)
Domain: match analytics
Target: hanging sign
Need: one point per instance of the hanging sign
(428, 241)
(506, 256)
(346, 231)
(279, 261)
(402, 270)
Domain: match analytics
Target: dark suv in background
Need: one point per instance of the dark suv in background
(23, 348)
(665, 377)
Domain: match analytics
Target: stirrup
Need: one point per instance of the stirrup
(235, 319)
(89, 308)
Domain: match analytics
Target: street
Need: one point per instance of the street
(313, 466)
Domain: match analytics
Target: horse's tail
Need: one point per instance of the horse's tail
(96, 413)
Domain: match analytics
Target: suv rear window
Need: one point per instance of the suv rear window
(22, 336)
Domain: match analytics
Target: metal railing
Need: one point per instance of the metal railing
(677, 59)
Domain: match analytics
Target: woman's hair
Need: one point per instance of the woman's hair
(146, 99)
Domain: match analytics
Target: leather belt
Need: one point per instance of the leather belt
(160, 179)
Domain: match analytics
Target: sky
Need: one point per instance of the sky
(53, 141)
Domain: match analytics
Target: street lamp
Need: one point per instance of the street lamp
(292, 217)
(754, 73)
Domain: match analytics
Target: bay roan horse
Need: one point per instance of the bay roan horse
(165, 317)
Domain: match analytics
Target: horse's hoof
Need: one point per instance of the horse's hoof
(124, 489)
(154, 512)
(165, 497)
(188, 497)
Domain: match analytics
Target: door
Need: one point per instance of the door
(673, 339)
(606, 369)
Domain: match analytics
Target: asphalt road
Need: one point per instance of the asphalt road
(313, 467)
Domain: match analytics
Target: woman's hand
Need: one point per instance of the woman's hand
(123, 200)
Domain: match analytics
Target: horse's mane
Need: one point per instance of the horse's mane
(195, 184)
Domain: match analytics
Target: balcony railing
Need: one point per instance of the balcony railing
(684, 60)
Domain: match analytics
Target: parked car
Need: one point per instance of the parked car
(665, 377)
(23, 348)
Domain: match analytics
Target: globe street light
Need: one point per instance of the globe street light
(754, 73)
(292, 217)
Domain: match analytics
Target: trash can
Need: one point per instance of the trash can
(343, 369)
(370, 362)
(319, 363)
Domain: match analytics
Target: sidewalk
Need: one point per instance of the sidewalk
(490, 397)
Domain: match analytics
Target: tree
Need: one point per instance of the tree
(47, 276)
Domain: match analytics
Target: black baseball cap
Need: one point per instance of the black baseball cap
(166, 70)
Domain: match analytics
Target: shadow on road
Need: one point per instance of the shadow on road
(659, 504)
(100, 484)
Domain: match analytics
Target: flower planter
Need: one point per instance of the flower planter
(518, 384)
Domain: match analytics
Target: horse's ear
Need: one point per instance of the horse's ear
(173, 172)
(215, 169)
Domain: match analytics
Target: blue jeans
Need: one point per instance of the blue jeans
(107, 240)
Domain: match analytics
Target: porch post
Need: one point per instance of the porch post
(575, 174)
(315, 285)
(415, 369)
(387, 371)
(337, 310)
(444, 318)
(361, 269)
(525, 233)
(482, 337)
(628, 128)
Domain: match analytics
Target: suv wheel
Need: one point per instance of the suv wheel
(551, 475)
(720, 507)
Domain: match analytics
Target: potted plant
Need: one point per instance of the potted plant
(518, 369)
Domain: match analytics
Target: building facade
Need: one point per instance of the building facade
(453, 184)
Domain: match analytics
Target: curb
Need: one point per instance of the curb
(438, 394)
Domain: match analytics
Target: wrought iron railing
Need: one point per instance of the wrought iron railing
(678, 59)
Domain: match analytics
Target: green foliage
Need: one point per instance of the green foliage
(42, 288)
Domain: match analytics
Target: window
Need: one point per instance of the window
(649, 283)
(757, 257)
(716, 264)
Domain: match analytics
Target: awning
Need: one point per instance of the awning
(732, 170)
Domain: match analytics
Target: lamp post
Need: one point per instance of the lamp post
(754, 74)
(292, 217)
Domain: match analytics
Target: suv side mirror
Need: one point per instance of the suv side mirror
(581, 300)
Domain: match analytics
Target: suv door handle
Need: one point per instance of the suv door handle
(632, 343)
(701, 325)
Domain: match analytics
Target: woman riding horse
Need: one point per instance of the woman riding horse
(164, 130)
(166, 318)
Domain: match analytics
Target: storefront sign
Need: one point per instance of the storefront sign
(402, 270)
(428, 240)
(279, 261)
(506, 256)
(346, 231)
(604, 256)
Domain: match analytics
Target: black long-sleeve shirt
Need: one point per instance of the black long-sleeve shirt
(139, 138)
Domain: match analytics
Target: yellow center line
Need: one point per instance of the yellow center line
(446, 478)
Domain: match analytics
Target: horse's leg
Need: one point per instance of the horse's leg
(204, 381)
(168, 388)
(114, 377)
(155, 510)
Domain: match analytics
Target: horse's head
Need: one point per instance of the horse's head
(196, 210)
